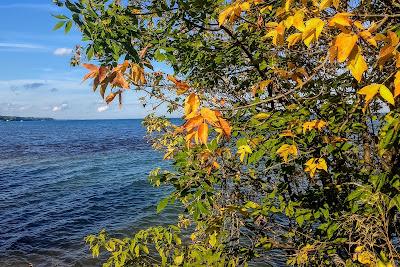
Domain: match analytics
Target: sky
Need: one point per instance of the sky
(36, 78)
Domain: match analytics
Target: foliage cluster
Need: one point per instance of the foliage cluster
(289, 150)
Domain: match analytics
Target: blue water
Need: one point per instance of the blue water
(63, 180)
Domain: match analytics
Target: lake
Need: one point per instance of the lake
(63, 180)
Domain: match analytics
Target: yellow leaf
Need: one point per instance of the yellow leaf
(261, 116)
(298, 20)
(192, 104)
(340, 19)
(314, 124)
(386, 94)
(313, 164)
(367, 36)
(277, 34)
(178, 260)
(293, 39)
(243, 151)
(397, 84)
(287, 133)
(203, 133)
(325, 4)
(336, 3)
(357, 64)
(312, 30)
(285, 150)
(345, 44)
(223, 16)
(288, 3)
(321, 164)
(369, 91)
(208, 115)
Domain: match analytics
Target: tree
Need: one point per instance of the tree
(289, 148)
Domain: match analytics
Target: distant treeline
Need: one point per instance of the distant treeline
(13, 118)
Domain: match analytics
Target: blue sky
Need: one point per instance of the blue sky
(35, 76)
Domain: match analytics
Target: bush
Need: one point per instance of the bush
(289, 149)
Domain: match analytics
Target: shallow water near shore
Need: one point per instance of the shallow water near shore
(63, 180)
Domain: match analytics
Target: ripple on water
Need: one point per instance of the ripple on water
(63, 180)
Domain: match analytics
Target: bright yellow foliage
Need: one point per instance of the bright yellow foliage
(314, 164)
(285, 150)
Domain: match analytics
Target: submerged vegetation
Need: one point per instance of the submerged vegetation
(289, 150)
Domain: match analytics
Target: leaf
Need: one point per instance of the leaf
(285, 150)
(397, 84)
(192, 103)
(386, 94)
(277, 34)
(208, 115)
(325, 4)
(94, 71)
(178, 260)
(298, 20)
(367, 36)
(294, 39)
(313, 164)
(340, 19)
(182, 86)
(243, 151)
(110, 97)
(312, 30)
(203, 133)
(58, 25)
(369, 91)
(314, 124)
(345, 44)
(68, 26)
(162, 204)
(213, 240)
(225, 127)
(120, 81)
(357, 64)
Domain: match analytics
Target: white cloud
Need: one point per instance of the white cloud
(21, 46)
(60, 107)
(62, 51)
(102, 108)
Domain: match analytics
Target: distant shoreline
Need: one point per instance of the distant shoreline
(15, 118)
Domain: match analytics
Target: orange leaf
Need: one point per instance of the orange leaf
(397, 84)
(94, 71)
(203, 133)
(225, 127)
(193, 123)
(208, 115)
(110, 97)
(340, 19)
(345, 43)
(182, 86)
(192, 104)
(119, 81)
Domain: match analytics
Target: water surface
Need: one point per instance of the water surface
(63, 180)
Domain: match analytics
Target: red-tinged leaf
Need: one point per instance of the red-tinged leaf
(119, 81)
(203, 133)
(102, 73)
(225, 127)
(90, 67)
(110, 97)
(182, 86)
(193, 123)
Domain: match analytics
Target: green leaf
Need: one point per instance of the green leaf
(68, 26)
(162, 204)
(58, 25)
